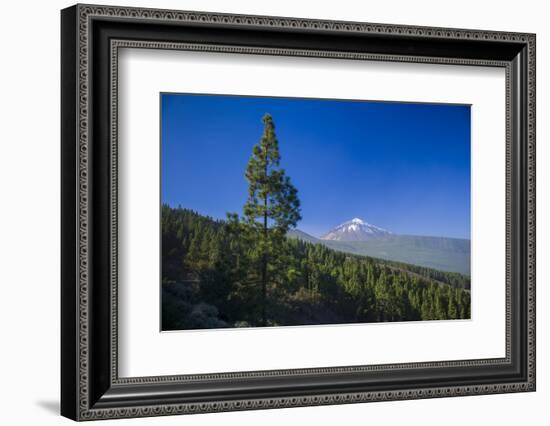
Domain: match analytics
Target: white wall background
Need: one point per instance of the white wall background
(29, 214)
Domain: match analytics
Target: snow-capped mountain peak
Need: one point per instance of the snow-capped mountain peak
(355, 230)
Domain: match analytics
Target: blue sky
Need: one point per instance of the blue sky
(402, 166)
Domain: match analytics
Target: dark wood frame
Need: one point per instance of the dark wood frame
(90, 386)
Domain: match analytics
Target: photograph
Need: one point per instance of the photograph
(267, 209)
(283, 211)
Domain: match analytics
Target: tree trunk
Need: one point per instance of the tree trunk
(264, 255)
(264, 268)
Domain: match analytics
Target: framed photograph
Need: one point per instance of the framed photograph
(263, 212)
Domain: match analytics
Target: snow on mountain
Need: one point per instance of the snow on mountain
(355, 230)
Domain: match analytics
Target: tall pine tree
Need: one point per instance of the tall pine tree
(272, 206)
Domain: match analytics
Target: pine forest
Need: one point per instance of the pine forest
(245, 271)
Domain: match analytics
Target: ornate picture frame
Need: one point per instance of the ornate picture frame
(91, 37)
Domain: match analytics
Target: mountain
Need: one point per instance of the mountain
(355, 230)
(361, 238)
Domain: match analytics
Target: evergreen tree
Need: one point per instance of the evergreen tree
(272, 206)
(440, 305)
(452, 309)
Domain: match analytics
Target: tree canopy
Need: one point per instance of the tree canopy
(211, 279)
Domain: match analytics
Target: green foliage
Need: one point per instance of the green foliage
(211, 279)
(271, 209)
(272, 202)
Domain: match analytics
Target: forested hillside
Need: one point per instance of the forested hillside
(438, 253)
(212, 278)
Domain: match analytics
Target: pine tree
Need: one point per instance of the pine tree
(440, 305)
(452, 310)
(272, 206)
(428, 304)
(381, 296)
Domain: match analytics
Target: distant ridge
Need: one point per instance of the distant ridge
(362, 238)
(301, 235)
